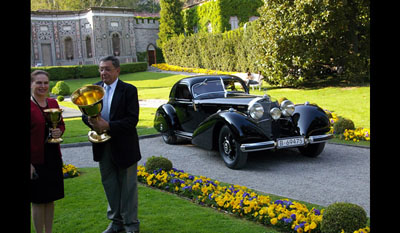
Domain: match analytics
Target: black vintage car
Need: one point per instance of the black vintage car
(217, 112)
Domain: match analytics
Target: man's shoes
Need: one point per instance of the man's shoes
(110, 229)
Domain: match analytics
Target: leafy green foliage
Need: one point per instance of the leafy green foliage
(171, 21)
(155, 163)
(61, 88)
(293, 43)
(139, 6)
(218, 13)
(342, 124)
(343, 216)
(307, 40)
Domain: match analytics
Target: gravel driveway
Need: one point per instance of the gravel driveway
(339, 174)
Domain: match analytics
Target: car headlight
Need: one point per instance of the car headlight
(287, 108)
(275, 113)
(256, 111)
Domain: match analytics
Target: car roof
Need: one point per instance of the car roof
(199, 78)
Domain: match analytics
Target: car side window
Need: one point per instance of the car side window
(182, 92)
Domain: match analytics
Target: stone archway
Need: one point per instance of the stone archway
(151, 54)
(116, 44)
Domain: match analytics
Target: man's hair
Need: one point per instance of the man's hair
(38, 72)
(114, 60)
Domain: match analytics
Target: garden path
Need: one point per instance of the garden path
(340, 174)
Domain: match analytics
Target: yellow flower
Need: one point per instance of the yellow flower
(274, 221)
(313, 225)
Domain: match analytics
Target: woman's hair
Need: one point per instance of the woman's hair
(38, 72)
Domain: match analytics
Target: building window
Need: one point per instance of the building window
(234, 21)
(67, 28)
(116, 44)
(114, 24)
(69, 48)
(44, 28)
(88, 47)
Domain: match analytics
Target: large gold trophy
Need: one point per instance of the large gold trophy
(89, 100)
(53, 115)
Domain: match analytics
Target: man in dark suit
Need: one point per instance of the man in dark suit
(118, 156)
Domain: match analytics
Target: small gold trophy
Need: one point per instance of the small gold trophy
(89, 100)
(53, 115)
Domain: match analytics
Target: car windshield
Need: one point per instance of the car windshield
(214, 87)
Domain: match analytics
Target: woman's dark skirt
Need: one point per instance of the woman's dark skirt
(49, 186)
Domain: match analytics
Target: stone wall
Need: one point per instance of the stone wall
(61, 38)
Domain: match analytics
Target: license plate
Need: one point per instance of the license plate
(290, 142)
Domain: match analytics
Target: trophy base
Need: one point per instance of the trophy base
(96, 138)
(55, 140)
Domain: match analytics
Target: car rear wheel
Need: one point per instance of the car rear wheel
(229, 149)
(312, 150)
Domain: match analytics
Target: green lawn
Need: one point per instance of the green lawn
(349, 102)
(76, 130)
(151, 85)
(84, 210)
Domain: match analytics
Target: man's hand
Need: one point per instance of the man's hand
(99, 124)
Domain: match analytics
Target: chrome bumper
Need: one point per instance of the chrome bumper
(268, 145)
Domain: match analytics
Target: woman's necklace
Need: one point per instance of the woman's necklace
(44, 102)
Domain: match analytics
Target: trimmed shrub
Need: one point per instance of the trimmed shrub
(60, 98)
(342, 124)
(343, 216)
(61, 88)
(155, 163)
(86, 71)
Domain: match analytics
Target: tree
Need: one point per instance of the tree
(171, 20)
(306, 41)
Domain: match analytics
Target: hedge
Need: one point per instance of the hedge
(293, 43)
(86, 71)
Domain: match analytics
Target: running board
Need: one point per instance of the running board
(183, 134)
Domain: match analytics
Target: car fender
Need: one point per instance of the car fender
(166, 119)
(242, 126)
(311, 120)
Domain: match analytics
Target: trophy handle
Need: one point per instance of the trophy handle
(94, 137)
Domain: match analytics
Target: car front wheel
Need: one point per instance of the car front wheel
(229, 149)
(169, 138)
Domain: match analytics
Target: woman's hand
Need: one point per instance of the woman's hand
(56, 133)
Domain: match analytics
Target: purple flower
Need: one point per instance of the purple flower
(278, 202)
(209, 196)
(317, 212)
(191, 177)
(293, 216)
(287, 220)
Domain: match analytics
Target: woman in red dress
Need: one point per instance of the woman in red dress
(47, 184)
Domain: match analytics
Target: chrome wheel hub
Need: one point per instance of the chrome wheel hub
(227, 146)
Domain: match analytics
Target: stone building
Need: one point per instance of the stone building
(60, 38)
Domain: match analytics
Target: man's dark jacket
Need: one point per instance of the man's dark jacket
(124, 116)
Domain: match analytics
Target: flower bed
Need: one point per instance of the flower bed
(355, 135)
(165, 66)
(70, 171)
(289, 216)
